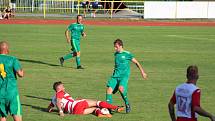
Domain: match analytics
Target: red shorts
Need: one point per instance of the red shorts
(80, 107)
(186, 119)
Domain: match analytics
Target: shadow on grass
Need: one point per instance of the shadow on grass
(37, 62)
(39, 107)
(36, 107)
(36, 97)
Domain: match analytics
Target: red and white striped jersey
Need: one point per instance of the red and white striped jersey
(66, 101)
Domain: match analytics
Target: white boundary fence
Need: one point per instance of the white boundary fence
(179, 10)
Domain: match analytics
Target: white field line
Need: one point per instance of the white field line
(195, 38)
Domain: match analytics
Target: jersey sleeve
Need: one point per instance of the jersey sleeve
(130, 56)
(196, 98)
(60, 94)
(17, 65)
(70, 27)
(173, 98)
(82, 29)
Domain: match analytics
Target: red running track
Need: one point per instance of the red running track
(106, 22)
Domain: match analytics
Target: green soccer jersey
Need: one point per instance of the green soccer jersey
(122, 64)
(9, 65)
(76, 30)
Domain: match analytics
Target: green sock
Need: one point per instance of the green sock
(109, 98)
(68, 56)
(78, 60)
(125, 98)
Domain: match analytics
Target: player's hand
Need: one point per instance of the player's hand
(61, 113)
(144, 75)
(50, 108)
(84, 34)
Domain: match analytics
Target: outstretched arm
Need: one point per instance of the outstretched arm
(67, 36)
(59, 107)
(144, 75)
(171, 111)
(204, 113)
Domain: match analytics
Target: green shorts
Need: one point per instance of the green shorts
(115, 82)
(12, 106)
(75, 45)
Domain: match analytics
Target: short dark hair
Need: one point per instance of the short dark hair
(56, 84)
(78, 16)
(192, 72)
(119, 42)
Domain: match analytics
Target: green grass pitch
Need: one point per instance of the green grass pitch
(164, 52)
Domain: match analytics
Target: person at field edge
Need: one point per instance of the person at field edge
(187, 99)
(86, 6)
(119, 79)
(66, 104)
(7, 13)
(95, 6)
(1, 15)
(76, 30)
(9, 96)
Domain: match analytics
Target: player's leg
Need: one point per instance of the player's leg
(78, 57)
(78, 60)
(17, 118)
(3, 110)
(111, 85)
(123, 89)
(3, 119)
(15, 108)
(103, 104)
(71, 54)
(89, 110)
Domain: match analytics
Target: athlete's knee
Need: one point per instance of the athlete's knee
(109, 90)
(121, 89)
(78, 53)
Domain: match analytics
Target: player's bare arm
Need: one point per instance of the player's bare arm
(171, 111)
(202, 112)
(144, 75)
(59, 107)
(67, 36)
(20, 73)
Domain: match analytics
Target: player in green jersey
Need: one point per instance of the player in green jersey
(9, 96)
(76, 30)
(119, 79)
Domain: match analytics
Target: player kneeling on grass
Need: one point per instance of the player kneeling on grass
(66, 104)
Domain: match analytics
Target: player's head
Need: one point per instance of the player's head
(57, 86)
(118, 45)
(79, 19)
(192, 73)
(4, 47)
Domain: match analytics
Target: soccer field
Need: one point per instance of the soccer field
(164, 52)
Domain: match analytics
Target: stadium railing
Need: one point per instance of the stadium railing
(71, 7)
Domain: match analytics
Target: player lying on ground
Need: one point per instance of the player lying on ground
(66, 104)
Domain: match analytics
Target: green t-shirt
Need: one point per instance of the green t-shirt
(122, 63)
(9, 65)
(76, 30)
